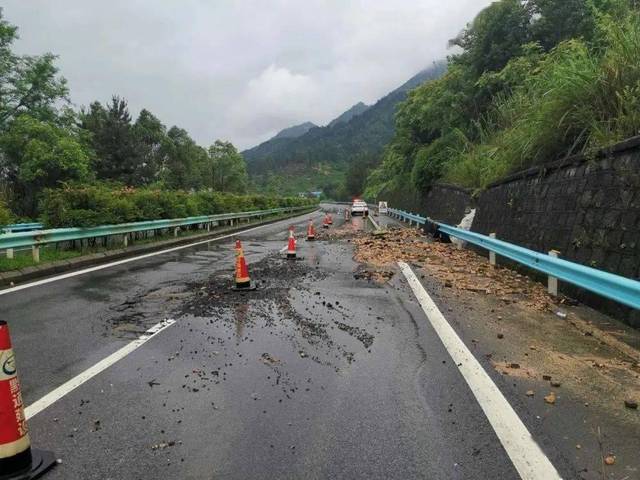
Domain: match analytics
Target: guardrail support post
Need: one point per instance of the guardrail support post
(9, 253)
(492, 255)
(125, 240)
(175, 231)
(208, 226)
(552, 282)
(35, 251)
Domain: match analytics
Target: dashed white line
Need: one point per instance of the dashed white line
(526, 455)
(91, 372)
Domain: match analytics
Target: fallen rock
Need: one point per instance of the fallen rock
(550, 399)
(530, 393)
(610, 459)
(632, 404)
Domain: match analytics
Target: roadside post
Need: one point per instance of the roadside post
(492, 255)
(552, 282)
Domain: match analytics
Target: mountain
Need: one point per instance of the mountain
(319, 159)
(295, 131)
(357, 109)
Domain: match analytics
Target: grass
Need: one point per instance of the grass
(578, 101)
(24, 259)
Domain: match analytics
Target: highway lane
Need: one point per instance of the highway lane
(320, 373)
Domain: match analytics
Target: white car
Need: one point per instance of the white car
(359, 208)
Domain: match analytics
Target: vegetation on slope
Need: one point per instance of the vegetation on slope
(535, 81)
(321, 158)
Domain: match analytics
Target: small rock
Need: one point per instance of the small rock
(610, 459)
(555, 384)
(561, 314)
(514, 365)
(501, 336)
(546, 378)
(530, 393)
(632, 404)
(578, 447)
(550, 399)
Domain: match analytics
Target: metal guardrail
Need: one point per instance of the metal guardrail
(615, 287)
(38, 238)
(21, 227)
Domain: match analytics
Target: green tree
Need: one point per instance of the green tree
(185, 164)
(38, 155)
(152, 143)
(28, 84)
(495, 36)
(114, 141)
(227, 168)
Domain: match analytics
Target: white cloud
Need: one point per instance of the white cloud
(239, 70)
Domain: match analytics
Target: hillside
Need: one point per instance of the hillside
(319, 158)
(357, 109)
(295, 131)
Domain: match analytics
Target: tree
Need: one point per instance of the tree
(28, 84)
(185, 163)
(151, 139)
(228, 170)
(115, 143)
(38, 155)
(495, 36)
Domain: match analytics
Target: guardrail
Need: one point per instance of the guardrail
(21, 227)
(36, 239)
(615, 287)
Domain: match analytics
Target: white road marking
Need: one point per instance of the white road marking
(123, 261)
(527, 457)
(91, 372)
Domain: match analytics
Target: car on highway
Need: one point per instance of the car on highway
(359, 208)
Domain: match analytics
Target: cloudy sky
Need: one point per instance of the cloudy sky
(239, 70)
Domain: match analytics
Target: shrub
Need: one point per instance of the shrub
(102, 204)
(6, 217)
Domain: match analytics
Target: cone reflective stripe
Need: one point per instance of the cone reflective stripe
(311, 231)
(242, 272)
(291, 247)
(16, 459)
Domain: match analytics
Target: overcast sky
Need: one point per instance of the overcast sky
(238, 70)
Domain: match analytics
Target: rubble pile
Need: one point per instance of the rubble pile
(457, 269)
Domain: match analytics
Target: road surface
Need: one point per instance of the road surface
(320, 373)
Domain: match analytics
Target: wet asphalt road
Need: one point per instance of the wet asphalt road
(318, 374)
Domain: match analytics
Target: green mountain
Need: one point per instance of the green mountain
(319, 159)
(357, 109)
(295, 131)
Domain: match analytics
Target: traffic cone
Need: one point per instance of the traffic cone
(311, 231)
(243, 282)
(18, 461)
(291, 247)
(330, 219)
(325, 222)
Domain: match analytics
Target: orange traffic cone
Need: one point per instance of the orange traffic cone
(311, 231)
(243, 282)
(330, 219)
(17, 459)
(291, 247)
(325, 222)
